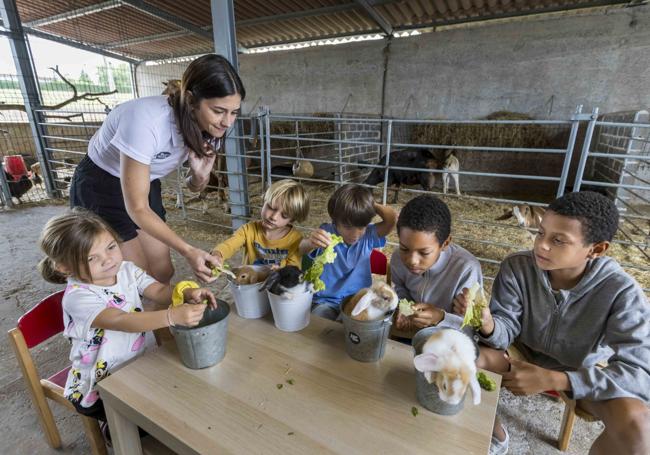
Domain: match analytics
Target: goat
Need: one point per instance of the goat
(527, 216)
(171, 86)
(218, 182)
(302, 169)
(418, 159)
(451, 164)
(36, 174)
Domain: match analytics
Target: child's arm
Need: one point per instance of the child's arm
(318, 238)
(226, 249)
(627, 333)
(162, 294)
(388, 219)
(143, 321)
(501, 319)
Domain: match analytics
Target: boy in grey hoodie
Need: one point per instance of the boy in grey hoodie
(428, 268)
(567, 307)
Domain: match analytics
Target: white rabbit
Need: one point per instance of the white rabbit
(373, 303)
(449, 358)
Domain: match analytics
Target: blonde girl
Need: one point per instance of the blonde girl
(102, 307)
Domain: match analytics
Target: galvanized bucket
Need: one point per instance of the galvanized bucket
(204, 345)
(249, 301)
(365, 341)
(291, 315)
(427, 394)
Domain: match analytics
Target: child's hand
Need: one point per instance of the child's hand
(404, 323)
(460, 302)
(319, 239)
(460, 307)
(426, 315)
(200, 295)
(188, 315)
(525, 378)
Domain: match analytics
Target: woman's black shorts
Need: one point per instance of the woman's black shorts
(98, 191)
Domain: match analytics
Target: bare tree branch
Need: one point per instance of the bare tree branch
(88, 96)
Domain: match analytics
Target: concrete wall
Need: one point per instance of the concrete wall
(543, 66)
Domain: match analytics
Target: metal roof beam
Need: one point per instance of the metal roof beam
(145, 39)
(74, 13)
(169, 18)
(78, 45)
(378, 18)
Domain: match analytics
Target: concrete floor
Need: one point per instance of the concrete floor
(533, 422)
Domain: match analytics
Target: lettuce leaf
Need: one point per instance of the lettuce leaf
(486, 382)
(406, 307)
(476, 303)
(313, 273)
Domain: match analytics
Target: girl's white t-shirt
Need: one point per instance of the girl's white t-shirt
(95, 353)
(143, 129)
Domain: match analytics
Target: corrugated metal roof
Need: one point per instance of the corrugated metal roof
(157, 29)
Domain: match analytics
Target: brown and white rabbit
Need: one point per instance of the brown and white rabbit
(449, 358)
(250, 275)
(373, 303)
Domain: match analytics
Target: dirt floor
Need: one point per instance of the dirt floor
(533, 422)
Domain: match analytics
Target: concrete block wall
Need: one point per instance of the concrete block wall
(623, 140)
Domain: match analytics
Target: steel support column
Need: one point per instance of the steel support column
(225, 43)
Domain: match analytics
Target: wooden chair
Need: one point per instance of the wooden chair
(34, 327)
(571, 410)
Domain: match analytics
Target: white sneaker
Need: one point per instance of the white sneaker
(500, 447)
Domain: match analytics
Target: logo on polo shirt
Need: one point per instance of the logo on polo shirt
(162, 155)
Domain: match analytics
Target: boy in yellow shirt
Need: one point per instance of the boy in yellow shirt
(272, 240)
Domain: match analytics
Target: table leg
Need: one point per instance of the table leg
(124, 433)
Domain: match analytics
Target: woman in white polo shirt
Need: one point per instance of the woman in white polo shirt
(145, 139)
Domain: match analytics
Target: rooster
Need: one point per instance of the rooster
(20, 187)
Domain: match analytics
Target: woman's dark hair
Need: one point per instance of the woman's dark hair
(209, 76)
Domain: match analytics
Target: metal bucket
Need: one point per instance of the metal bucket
(204, 345)
(427, 394)
(249, 301)
(291, 315)
(365, 341)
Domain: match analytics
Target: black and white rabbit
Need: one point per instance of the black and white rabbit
(286, 282)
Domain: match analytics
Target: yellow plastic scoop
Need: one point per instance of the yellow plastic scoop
(177, 293)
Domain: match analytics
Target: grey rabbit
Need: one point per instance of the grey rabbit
(286, 282)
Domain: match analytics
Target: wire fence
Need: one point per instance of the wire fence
(503, 165)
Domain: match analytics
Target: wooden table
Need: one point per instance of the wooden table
(246, 404)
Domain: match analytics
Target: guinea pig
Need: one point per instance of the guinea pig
(286, 282)
(251, 275)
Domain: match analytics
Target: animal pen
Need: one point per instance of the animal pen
(505, 160)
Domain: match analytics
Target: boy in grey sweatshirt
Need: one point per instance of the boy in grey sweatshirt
(567, 307)
(428, 269)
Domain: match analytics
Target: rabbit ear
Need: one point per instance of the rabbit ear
(363, 303)
(476, 389)
(426, 363)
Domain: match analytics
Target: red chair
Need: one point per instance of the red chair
(36, 326)
(379, 264)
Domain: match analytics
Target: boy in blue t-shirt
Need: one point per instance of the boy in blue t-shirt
(351, 209)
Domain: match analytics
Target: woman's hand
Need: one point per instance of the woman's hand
(202, 263)
(200, 166)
